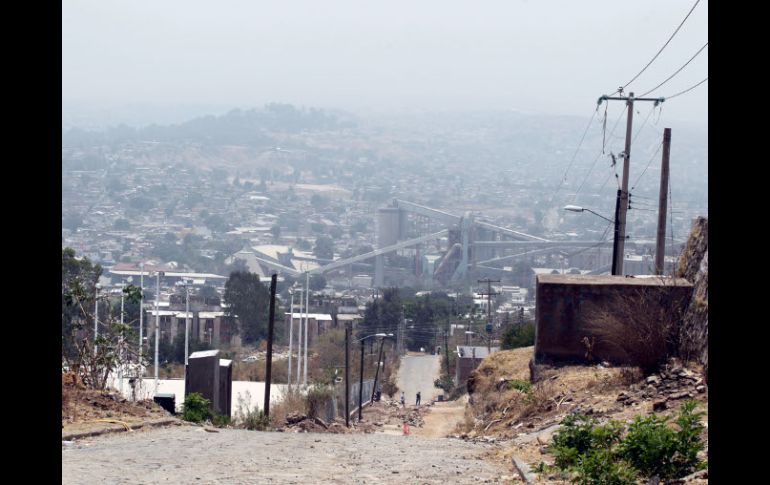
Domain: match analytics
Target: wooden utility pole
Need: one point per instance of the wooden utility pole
(377, 372)
(269, 360)
(347, 374)
(623, 194)
(489, 294)
(660, 243)
(446, 346)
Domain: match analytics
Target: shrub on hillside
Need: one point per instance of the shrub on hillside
(196, 408)
(516, 336)
(600, 454)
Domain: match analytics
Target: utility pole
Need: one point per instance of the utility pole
(291, 335)
(446, 345)
(347, 374)
(141, 311)
(157, 325)
(299, 341)
(377, 372)
(489, 294)
(307, 317)
(186, 322)
(269, 360)
(660, 243)
(623, 194)
(96, 315)
(120, 347)
(361, 383)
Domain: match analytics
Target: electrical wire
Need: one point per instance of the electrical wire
(564, 177)
(677, 71)
(661, 49)
(686, 90)
(648, 165)
(596, 159)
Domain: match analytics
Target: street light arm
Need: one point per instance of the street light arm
(597, 214)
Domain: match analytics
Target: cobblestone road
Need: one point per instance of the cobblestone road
(188, 454)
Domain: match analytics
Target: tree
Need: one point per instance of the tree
(318, 202)
(276, 231)
(121, 225)
(92, 357)
(324, 247)
(317, 282)
(248, 300)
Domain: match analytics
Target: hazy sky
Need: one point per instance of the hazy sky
(534, 56)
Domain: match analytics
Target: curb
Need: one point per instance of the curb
(118, 428)
(523, 469)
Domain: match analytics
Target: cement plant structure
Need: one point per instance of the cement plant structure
(471, 247)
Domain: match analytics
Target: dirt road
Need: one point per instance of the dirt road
(442, 419)
(188, 454)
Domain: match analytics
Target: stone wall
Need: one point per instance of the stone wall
(693, 265)
(562, 311)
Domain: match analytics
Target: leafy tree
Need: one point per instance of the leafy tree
(335, 232)
(318, 202)
(92, 357)
(515, 336)
(317, 282)
(248, 300)
(275, 231)
(121, 225)
(324, 247)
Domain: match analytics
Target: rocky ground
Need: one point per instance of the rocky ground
(192, 454)
(521, 427)
(90, 411)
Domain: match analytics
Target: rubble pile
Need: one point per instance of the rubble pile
(674, 382)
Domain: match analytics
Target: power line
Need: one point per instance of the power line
(648, 166)
(677, 71)
(687, 90)
(597, 158)
(564, 178)
(661, 49)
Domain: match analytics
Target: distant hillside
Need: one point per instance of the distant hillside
(237, 127)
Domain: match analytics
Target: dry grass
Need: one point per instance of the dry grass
(293, 402)
(642, 327)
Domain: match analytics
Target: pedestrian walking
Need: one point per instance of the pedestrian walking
(418, 398)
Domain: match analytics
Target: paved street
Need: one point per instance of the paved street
(189, 454)
(417, 373)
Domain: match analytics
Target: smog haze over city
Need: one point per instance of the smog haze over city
(251, 123)
(251, 190)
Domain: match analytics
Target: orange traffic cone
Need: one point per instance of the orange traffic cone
(406, 428)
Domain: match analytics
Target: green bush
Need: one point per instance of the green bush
(654, 448)
(579, 435)
(445, 383)
(601, 467)
(600, 454)
(196, 408)
(516, 336)
(520, 384)
(220, 420)
(256, 420)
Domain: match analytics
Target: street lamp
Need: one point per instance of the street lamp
(97, 287)
(186, 283)
(617, 260)
(361, 376)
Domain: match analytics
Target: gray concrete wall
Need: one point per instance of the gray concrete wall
(562, 301)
